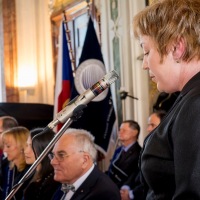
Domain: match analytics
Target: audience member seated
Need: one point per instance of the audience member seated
(14, 142)
(155, 119)
(73, 158)
(42, 186)
(133, 187)
(125, 159)
(6, 122)
(28, 151)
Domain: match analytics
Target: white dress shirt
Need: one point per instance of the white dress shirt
(78, 183)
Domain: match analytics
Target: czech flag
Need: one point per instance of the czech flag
(64, 75)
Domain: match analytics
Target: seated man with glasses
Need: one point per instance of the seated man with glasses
(73, 159)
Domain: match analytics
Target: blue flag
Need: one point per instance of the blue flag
(99, 116)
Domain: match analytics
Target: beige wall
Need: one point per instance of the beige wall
(35, 69)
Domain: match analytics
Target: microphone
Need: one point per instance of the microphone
(84, 98)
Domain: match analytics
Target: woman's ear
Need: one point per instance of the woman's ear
(178, 49)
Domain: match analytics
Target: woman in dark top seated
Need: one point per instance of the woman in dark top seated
(42, 186)
(14, 141)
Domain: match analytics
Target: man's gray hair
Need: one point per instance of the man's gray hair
(85, 141)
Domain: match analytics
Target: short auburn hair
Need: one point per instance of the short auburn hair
(166, 21)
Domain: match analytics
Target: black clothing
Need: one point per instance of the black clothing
(170, 162)
(41, 190)
(10, 179)
(123, 166)
(4, 166)
(97, 186)
(137, 187)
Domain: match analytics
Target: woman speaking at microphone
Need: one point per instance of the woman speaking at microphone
(169, 34)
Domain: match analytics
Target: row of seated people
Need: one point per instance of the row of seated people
(71, 161)
(22, 147)
(124, 167)
(20, 155)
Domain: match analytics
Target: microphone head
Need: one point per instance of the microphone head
(111, 77)
(87, 74)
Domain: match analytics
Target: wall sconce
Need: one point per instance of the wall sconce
(28, 90)
(26, 82)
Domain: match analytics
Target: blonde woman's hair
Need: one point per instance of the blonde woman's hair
(20, 134)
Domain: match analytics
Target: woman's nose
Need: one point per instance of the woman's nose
(144, 64)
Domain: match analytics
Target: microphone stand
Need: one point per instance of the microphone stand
(77, 113)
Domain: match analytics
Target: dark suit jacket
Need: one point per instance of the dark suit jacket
(137, 187)
(4, 166)
(97, 186)
(122, 167)
(170, 162)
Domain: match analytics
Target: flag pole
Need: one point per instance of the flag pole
(73, 61)
(88, 7)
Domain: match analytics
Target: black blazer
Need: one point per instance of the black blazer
(122, 167)
(137, 187)
(170, 162)
(97, 186)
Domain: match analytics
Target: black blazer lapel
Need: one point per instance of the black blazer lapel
(87, 185)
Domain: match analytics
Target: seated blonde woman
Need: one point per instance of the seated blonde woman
(14, 142)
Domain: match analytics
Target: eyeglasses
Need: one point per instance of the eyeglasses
(60, 156)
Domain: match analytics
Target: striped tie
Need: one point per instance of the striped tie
(66, 188)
